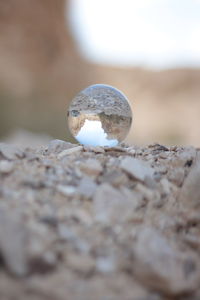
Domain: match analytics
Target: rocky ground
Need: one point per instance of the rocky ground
(99, 223)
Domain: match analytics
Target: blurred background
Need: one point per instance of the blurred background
(149, 49)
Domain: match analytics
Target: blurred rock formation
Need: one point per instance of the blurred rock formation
(40, 67)
(41, 70)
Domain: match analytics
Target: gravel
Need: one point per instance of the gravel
(99, 223)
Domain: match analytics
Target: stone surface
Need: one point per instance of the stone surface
(6, 167)
(190, 192)
(112, 206)
(66, 190)
(161, 267)
(13, 244)
(56, 146)
(87, 187)
(10, 152)
(117, 223)
(136, 168)
(91, 167)
(69, 151)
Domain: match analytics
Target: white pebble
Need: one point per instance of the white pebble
(6, 167)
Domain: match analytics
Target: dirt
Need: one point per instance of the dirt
(99, 223)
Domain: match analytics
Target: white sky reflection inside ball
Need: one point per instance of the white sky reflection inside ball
(92, 134)
(152, 33)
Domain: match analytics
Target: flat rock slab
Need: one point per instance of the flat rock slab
(190, 191)
(117, 223)
(137, 168)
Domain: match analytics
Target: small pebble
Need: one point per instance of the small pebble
(6, 167)
(69, 151)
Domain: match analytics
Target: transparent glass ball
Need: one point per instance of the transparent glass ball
(99, 115)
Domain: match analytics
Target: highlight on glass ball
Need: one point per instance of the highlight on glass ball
(99, 115)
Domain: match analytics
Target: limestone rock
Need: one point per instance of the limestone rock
(120, 223)
(96, 149)
(83, 264)
(10, 152)
(160, 267)
(111, 205)
(87, 187)
(177, 176)
(116, 178)
(69, 151)
(136, 168)
(56, 146)
(6, 167)
(91, 167)
(66, 190)
(190, 192)
(13, 244)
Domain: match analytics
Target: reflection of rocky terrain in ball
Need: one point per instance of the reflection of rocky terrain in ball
(104, 104)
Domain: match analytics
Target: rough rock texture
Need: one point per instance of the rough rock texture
(99, 223)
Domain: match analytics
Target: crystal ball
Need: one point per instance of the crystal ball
(99, 115)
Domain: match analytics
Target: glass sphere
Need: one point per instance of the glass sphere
(99, 115)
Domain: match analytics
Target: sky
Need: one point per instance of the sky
(93, 134)
(150, 33)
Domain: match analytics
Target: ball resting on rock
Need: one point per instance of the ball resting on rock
(100, 115)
